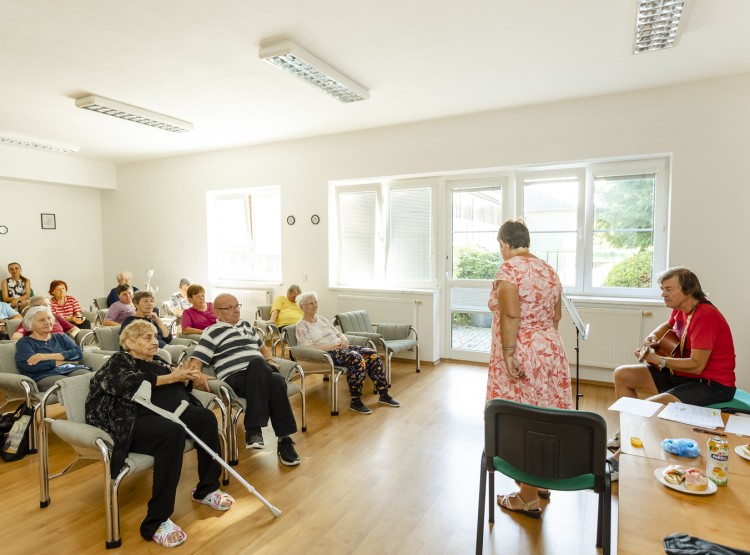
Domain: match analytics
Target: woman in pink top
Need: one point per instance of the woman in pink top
(200, 315)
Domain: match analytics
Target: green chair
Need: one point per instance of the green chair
(740, 403)
(547, 448)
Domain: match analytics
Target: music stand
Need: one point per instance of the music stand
(582, 332)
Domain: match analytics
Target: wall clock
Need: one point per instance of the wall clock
(290, 220)
(315, 219)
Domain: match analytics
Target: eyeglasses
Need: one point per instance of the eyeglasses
(235, 307)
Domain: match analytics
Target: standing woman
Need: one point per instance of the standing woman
(16, 288)
(528, 363)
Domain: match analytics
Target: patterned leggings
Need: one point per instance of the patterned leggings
(360, 361)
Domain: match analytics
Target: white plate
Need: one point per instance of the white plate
(741, 452)
(681, 487)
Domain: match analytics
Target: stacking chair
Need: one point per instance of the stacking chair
(315, 361)
(16, 386)
(108, 339)
(389, 339)
(270, 330)
(99, 306)
(547, 448)
(94, 443)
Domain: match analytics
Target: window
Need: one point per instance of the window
(384, 234)
(244, 234)
(602, 227)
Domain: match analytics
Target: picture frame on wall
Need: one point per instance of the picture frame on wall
(49, 221)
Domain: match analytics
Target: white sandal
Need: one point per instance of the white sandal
(166, 532)
(530, 508)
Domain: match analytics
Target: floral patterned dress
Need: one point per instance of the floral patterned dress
(539, 348)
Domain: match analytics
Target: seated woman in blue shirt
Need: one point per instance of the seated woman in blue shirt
(43, 356)
(144, 310)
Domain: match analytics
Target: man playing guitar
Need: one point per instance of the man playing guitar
(697, 366)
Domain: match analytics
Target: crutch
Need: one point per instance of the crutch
(143, 397)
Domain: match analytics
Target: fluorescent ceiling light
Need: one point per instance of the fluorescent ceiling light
(40, 144)
(133, 113)
(299, 62)
(657, 24)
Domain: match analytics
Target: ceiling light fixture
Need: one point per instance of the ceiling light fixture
(39, 144)
(657, 24)
(133, 113)
(296, 60)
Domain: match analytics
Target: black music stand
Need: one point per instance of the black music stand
(582, 332)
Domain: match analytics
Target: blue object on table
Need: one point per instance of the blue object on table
(682, 447)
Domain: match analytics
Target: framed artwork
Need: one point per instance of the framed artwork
(49, 221)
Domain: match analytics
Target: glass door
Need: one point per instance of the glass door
(473, 258)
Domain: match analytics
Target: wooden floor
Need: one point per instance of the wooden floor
(398, 481)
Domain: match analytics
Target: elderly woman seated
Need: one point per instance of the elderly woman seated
(65, 305)
(144, 310)
(59, 326)
(121, 309)
(318, 333)
(43, 356)
(180, 299)
(16, 289)
(200, 315)
(135, 428)
(285, 311)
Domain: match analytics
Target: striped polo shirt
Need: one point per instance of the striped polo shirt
(229, 348)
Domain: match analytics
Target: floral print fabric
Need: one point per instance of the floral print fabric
(539, 348)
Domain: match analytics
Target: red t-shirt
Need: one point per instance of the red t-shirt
(707, 330)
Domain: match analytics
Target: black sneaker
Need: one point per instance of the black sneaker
(386, 399)
(358, 406)
(254, 439)
(285, 451)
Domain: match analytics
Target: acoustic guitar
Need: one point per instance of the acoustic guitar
(666, 346)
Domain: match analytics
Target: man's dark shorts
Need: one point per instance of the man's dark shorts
(693, 391)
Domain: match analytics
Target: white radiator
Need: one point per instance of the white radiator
(250, 299)
(392, 310)
(613, 336)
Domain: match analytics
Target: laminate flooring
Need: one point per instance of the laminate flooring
(401, 481)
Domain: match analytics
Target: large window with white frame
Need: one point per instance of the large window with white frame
(244, 229)
(602, 226)
(384, 234)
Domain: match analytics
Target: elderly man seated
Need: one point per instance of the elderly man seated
(241, 359)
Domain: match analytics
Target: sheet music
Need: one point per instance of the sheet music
(583, 328)
(638, 407)
(695, 416)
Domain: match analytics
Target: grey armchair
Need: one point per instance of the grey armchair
(315, 361)
(389, 339)
(270, 331)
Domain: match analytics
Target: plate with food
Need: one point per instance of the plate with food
(686, 480)
(743, 451)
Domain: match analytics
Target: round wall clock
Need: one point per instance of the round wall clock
(290, 220)
(3, 230)
(315, 219)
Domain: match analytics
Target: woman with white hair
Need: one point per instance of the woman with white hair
(179, 300)
(43, 356)
(317, 332)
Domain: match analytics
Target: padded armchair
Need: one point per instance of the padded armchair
(547, 448)
(389, 339)
(270, 331)
(315, 361)
(16, 386)
(94, 443)
(108, 339)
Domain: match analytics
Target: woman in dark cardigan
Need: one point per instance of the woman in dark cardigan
(135, 428)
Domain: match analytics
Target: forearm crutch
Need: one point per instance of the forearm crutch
(143, 397)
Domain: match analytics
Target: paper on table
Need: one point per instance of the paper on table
(690, 414)
(739, 425)
(635, 406)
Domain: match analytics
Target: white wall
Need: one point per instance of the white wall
(72, 252)
(703, 125)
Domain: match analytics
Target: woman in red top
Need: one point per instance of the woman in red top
(66, 306)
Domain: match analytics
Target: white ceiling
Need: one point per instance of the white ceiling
(421, 59)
